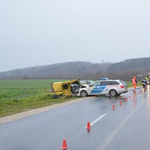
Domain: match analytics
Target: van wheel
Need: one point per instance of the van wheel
(83, 93)
(113, 93)
(55, 96)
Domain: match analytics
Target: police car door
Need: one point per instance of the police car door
(105, 87)
(95, 89)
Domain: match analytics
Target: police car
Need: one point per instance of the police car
(104, 87)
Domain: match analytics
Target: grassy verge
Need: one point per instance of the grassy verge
(22, 95)
(13, 101)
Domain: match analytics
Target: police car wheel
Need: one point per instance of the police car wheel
(118, 94)
(113, 93)
(83, 93)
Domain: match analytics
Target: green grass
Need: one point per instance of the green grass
(131, 85)
(35, 84)
(22, 100)
(22, 95)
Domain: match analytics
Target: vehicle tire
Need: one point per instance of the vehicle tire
(55, 96)
(118, 94)
(113, 93)
(83, 93)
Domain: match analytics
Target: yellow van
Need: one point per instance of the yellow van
(66, 88)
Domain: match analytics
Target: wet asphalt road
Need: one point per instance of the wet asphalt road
(125, 128)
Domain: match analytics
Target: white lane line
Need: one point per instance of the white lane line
(98, 119)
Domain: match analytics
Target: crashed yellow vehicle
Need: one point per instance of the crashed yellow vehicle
(66, 88)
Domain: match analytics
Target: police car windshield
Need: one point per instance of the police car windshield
(95, 84)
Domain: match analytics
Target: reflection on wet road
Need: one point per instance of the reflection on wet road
(125, 127)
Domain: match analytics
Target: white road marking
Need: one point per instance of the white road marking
(97, 119)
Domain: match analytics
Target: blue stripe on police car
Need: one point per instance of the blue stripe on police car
(98, 89)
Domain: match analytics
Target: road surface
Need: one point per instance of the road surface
(125, 128)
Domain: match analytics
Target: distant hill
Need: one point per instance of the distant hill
(60, 70)
(83, 70)
(131, 64)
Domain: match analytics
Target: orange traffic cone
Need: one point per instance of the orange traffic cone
(126, 99)
(88, 126)
(64, 145)
(120, 103)
(113, 107)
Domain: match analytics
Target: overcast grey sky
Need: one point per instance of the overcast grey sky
(42, 32)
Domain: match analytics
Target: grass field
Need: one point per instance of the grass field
(22, 95)
(30, 84)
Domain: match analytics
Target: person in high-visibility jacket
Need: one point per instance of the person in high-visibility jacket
(134, 82)
(144, 83)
